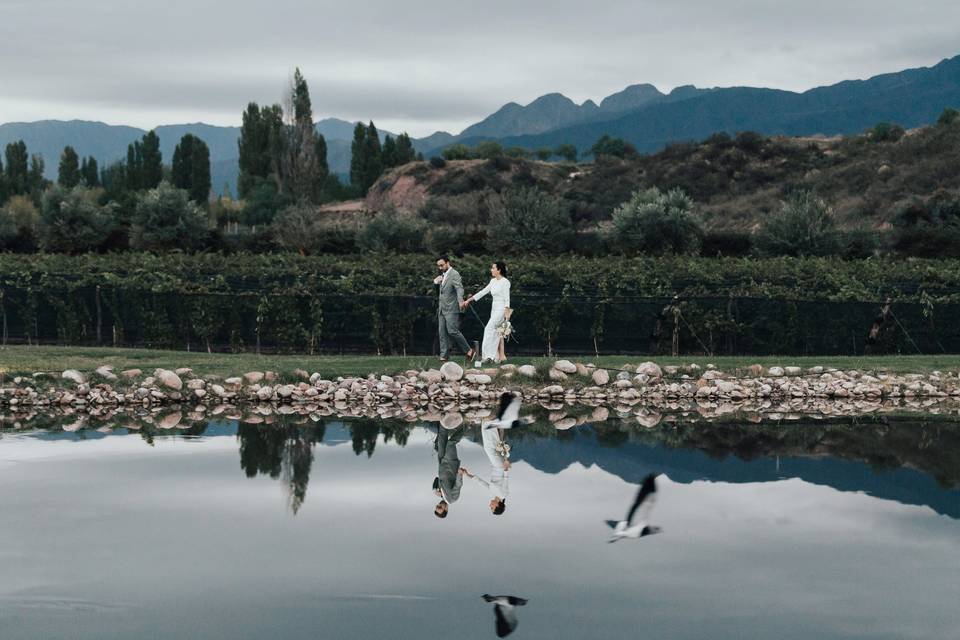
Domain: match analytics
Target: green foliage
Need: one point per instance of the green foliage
(366, 160)
(191, 168)
(16, 167)
(68, 173)
(566, 151)
(948, 117)
(391, 232)
(543, 153)
(144, 163)
(298, 228)
(456, 152)
(656, 222)
(262, 203)
(89, 172)
(71, 221)
(804, 226)
(529, 219)
(302, 163)
(166, 218)
(616, 147)
(929, 228)
(885, 132)
(487, 149)
(36, 183)
(261, 137)
(19, 222)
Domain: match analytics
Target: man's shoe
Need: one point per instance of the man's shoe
(444, 359)
(470, 354)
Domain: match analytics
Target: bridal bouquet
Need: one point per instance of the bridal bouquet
(504, 328)
(503, 449)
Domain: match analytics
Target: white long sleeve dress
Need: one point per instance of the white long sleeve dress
(499, 291)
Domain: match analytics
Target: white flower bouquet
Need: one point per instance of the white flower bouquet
(503, 449)
(504, 328)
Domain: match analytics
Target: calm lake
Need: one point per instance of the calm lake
(847, 528)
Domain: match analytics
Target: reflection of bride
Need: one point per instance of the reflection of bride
(499, 290)
(498, 453)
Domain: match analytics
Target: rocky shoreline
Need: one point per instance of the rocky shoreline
(432, 394)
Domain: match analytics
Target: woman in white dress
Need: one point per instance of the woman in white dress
(499, 290)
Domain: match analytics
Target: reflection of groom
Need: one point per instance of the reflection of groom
(449, 478)
(448, 315)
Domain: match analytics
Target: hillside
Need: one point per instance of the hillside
(735, 181)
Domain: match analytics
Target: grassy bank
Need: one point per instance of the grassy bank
(17, 360)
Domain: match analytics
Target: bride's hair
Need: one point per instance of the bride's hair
(501, 267)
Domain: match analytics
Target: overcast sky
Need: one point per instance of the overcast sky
(422, 65)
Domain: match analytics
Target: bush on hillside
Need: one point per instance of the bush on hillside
(948, 117)
(657, 223)
(166, 218)
(391, 232)
(437, 162)
(804, 226)
(886, 132)
(72, 221)
(529, 220)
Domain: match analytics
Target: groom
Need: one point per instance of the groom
(451, 303)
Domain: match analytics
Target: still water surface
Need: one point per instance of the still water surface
(327, 530)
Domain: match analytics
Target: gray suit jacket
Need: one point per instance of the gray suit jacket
(451, 293)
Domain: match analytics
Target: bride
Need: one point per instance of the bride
(499, 290)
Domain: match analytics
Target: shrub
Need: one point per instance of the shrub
(297, 228)
(437, 162)
(71, 221)
(749, 141)
(456, 152)
(166, 218)
(388, 231)
(885, 132)
(804, 226)
(607, 146)
(262, 203)
(487, 149)
(19, 222)
(656, 222)
(528, 219)
(948, 117)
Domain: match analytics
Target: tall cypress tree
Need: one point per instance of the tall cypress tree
(89, 173)
(152, 160)
(134, 170)
(304, 158)
(373, 160)
(68, 172)
(390, 158)
(17, 167)
(3, 184)
(191, 168)
(260, 143)
(36, 183)
(405, 152)
(358, 154)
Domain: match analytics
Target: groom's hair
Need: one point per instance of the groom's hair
(444, 257)
(500, 508)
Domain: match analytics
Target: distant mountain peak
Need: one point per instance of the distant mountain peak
(632, 97)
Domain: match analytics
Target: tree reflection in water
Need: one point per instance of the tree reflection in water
(281, 450)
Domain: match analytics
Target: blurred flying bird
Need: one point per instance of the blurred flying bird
(505, 611)
(639, 511)
(508, 413)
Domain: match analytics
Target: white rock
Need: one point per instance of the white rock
(253, 377)
(265, 392)
(792, 371)
(451, 420)
(601, 377)
(651, 369)
(479, 378)
(556, 374)
(106, 371)
(168, 379)
(527, 370)
(73, 376)
(451, 371)
(565, 366)
(431, 376)
(233, 381)
(776, 372)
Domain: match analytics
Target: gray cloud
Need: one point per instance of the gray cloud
(429, 65)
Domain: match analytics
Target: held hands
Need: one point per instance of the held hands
(438, 280)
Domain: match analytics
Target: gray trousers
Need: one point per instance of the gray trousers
(450, 330)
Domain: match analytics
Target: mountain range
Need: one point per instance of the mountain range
(640, 114)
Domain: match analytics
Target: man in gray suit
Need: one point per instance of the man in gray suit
(449, 478)
(451, 305)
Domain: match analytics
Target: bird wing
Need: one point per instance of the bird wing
(506, 620)
(611, 523)
(646, 496)
(516, 601)
(509, 408)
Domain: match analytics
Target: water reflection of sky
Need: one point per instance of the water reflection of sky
(112, 538)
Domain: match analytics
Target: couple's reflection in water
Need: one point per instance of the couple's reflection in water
(448, 482)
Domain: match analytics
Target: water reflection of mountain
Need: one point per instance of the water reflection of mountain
(631, 460)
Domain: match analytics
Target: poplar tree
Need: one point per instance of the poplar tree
(89, 172)
(16, 171)
(191, 168)
(68, 172)
(303, 165)
(358, 155)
